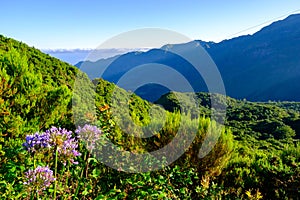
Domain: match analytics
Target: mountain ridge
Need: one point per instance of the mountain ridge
(252, 66)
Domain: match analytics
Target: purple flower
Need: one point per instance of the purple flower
(64, 142)
(89, 135)
(68, 151)
(35, 142)
(54, 138)
(57, 136)
(39, 178)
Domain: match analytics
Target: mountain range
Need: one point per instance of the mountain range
(259, 67)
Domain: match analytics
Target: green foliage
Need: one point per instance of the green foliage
(255, 155)
(261, 120)
(35, 93)
(261, 170)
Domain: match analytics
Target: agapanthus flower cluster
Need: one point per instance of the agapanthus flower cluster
(64, 142)
(54, 138)
(39, 179)
(36, 141)
(57, 136)
(68, 151)
(89, 135)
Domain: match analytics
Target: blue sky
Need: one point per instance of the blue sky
(52, 24)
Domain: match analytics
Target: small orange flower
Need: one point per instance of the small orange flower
(104, 108)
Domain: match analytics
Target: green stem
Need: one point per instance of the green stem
(82, 171)
(31, 195)
(34, 162)
(77, 189)
(68, 171)
(55, 173)
(87, 165)
(34, 166)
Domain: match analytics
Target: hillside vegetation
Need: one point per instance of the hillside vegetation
(256, 156)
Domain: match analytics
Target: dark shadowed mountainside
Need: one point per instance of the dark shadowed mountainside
(259, 67)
